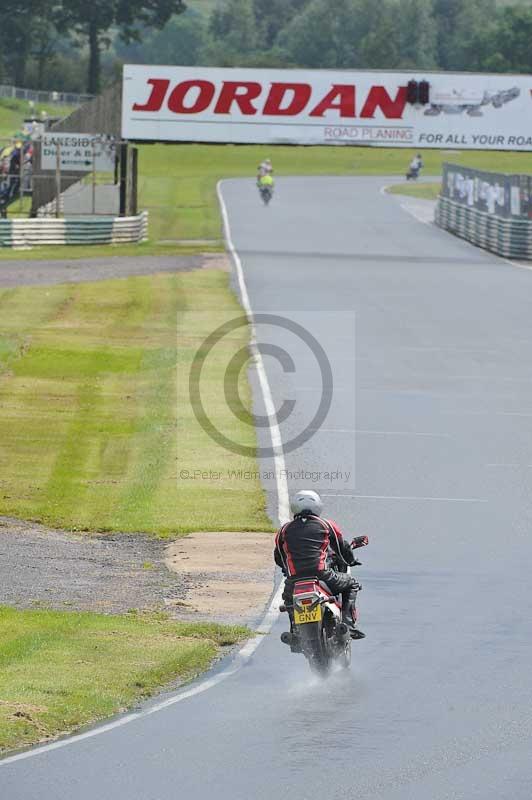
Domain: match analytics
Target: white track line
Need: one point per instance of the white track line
(519, 466)
(403, 497)
(411, 209)
(272, 613)
(516, 264)
(363, 432)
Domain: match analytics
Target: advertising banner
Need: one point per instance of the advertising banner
(498, 194)
(276, 106)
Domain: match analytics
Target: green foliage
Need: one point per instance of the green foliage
(417, 34)
(232, 31)
(26, 31)
(508, 45)
(179, 42)
(324, 35)
(466, 32)
(271, 16)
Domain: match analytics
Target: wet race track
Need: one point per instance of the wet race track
(427, 448)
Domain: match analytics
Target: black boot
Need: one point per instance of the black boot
(354, 632)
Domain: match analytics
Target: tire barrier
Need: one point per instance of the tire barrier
(73, 230)
(492, 210)
(507, 237)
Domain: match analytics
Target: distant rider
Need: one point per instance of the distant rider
(416, 165)
(265, 180)
(308, 545)
(264, 168)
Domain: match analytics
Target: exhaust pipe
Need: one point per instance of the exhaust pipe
(342, 632)
(286, 637)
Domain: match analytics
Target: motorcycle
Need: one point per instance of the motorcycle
(413, 173)
(316, 627)
(266, 193)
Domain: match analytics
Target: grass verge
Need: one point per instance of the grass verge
(61, 670)
(13, 113)
(426, 191)
(97, 431)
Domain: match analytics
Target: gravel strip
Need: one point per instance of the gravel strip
(31, 273)
(40, 567)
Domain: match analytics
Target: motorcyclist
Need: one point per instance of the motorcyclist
(416, 164)
(264, 168)
(265, 180)
(308, 545)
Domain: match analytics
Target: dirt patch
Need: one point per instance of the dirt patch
(232, 573)
(27, 713)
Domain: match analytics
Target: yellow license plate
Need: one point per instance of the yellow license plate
(301, 617)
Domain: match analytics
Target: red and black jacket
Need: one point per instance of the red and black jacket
(302, 546)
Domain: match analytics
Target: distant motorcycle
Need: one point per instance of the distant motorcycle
(316, 627)
(266, 193)
(415, 168)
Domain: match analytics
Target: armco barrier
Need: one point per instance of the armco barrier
(507, 237)
(72, 230)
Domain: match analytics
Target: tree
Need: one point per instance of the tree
(93, 19)
(464, 27)
(271, 16)
(507, 45)
(24, 22)
(181, 41)
(324, 35)
(446, 13)
(43, 48)
(417, 35)
(233, 28)
(379, 48)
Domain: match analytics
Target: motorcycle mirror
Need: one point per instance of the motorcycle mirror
(359, 541)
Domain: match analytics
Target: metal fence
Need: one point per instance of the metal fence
(498, 194)
(38, 96)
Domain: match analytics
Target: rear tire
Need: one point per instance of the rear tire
(314, 646)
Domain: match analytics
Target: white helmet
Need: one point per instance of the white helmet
(308, 501)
